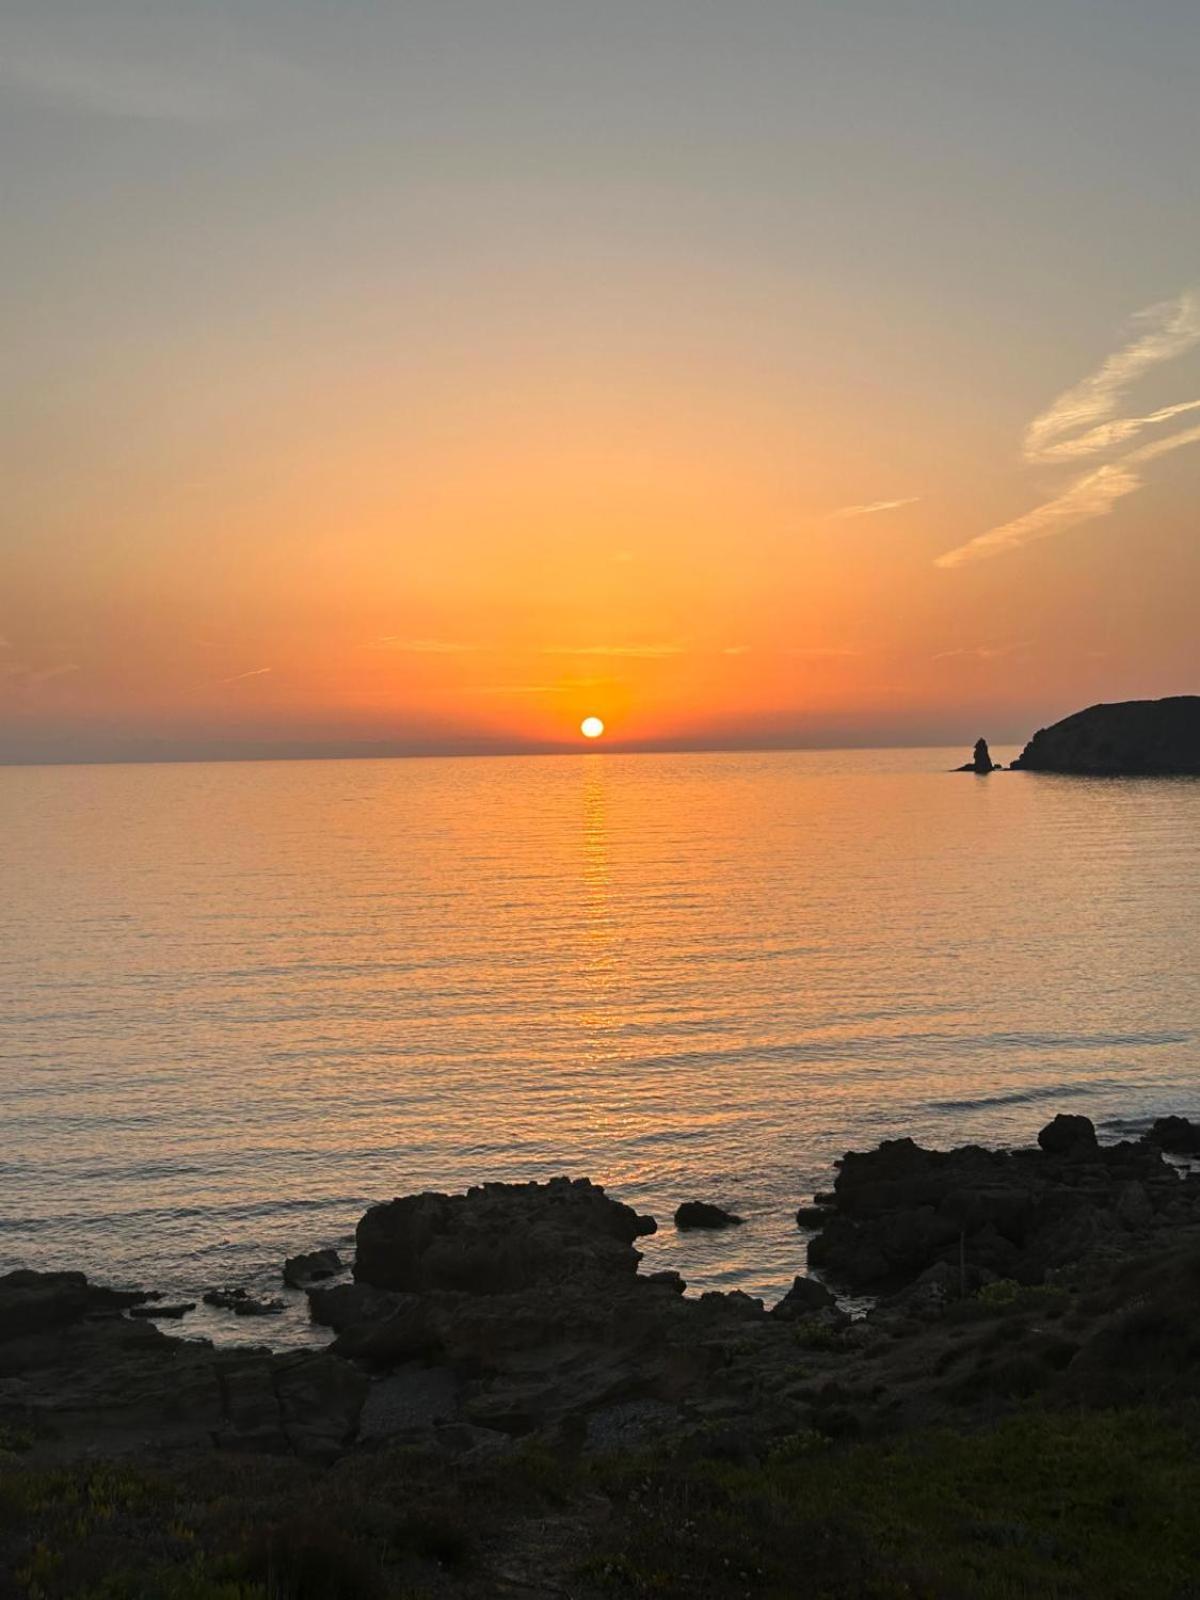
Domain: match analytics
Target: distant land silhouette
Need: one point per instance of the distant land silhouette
(1133, 738)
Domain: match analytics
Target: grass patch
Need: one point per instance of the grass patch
(1066, 1506)
(1096, 1506)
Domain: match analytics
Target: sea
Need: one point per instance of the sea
(241, 1002)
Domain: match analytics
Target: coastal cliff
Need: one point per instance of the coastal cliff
(1133, 738)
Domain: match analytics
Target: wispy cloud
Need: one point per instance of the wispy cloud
(422, 647)
(515, 688)
(199, 69)
(62, 669)
(26, 677)
(646, 652)
(1081, 425)
(981, 652)
(873, 508)
(110, 87)
(563, 686)
(254, 672)
(736, 650)
(1077, 423)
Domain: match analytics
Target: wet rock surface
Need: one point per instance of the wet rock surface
(242, 1303)
(702, 1214)
(314, 1267)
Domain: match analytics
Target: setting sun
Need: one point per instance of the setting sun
(591, 727)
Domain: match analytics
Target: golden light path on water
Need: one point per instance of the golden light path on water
(245, 1000)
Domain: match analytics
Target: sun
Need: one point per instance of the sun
(591, 727)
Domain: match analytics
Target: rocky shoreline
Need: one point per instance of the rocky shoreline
(477, 1325)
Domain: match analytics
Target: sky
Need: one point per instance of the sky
(426, 377)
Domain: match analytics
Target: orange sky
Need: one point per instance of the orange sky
(329, 427)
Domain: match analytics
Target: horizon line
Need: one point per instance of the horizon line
(478, 752)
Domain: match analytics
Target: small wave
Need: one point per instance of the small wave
(1021, 1097)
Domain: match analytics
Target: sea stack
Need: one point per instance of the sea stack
(981, 762)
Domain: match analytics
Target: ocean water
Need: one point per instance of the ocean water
(241, 1002)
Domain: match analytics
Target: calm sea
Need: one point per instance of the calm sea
(241, 1002)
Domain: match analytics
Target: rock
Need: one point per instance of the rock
(341, 1305)
(242, 1302)
(1133, 738)
(699, 1214)
(667, 1280)
(1068, 1136)
(1176, 1135)
(173, 1311)
(32, 1302)
(902, 1210)
(300, 1271)
(811, 1216)
(805, 1297)
(90, 1381)
(981, 761)
(498, 1238)
(735, 1302)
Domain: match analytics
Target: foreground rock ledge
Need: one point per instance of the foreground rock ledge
(459, 1336)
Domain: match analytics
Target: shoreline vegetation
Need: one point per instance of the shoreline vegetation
(508, 1406)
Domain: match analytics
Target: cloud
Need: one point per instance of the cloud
(197, 70)
(109, 87)
(1171, 329)
(1082, 424)
(254, 672)
(819, 652)
(736, 650)
(873, 507)
(63, 669)
(23, 677)
(515, 688)
(981, 652)
(1087, 498)
(422, 647)
(646, 652)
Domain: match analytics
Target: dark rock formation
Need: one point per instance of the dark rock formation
(152, 1312)
(77, 1375)
(1176, 1135)
(982, 1252)
(700, 1214)
(300, 1271)
(981, 761)
(983, 1214)
(1134, 738)
(804, 1298)
(242, 1302)
(499, 1238)
(1068, 1136)
(35, 1302)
